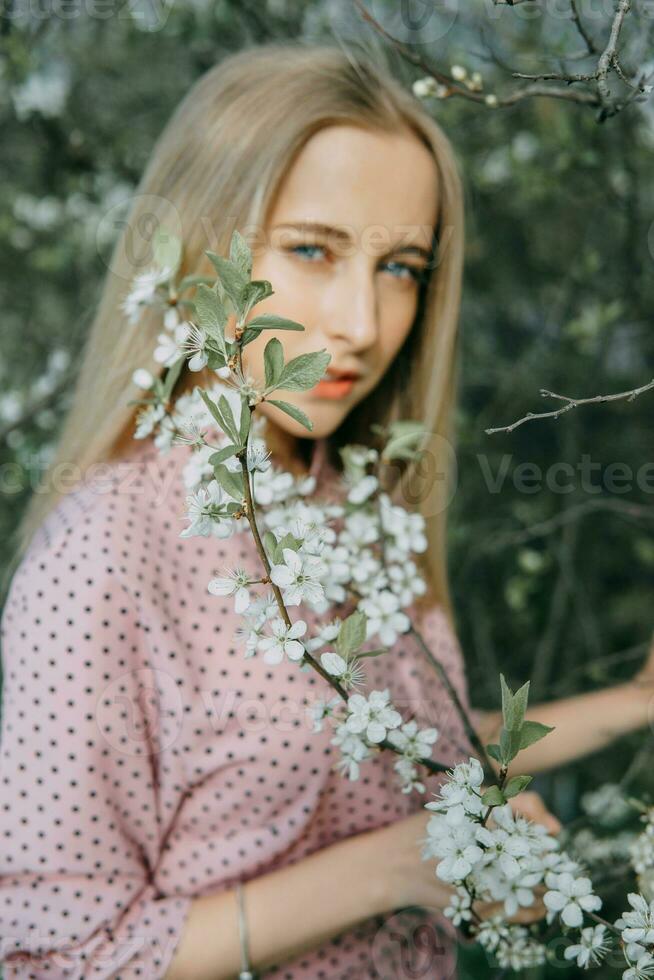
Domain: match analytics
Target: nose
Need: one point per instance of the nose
(354, 316)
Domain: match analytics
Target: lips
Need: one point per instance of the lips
(335, 387)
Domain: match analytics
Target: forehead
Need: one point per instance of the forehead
(358, 178)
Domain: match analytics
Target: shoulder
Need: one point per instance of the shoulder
(96, 528)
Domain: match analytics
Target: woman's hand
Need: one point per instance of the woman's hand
(530, 805)
(406, 879)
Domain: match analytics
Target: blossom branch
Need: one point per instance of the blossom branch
(596, 92)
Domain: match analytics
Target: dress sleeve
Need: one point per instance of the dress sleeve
(81, 823)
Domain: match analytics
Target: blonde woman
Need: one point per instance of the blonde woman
(147, 768)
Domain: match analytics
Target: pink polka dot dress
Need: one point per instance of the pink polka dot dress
(144, 761)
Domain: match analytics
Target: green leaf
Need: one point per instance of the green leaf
(232, 483)
(509, 744)
(507, 703)
(215, 360)
(494, 752)
(290, 541)
(167, 250)
(516, 785)
(270, 321)
(232, 279)
(293, 411)
(493, 796)
(246, 418)
(273, 361)
(371, 653)
(532, 731)
(213, 408)
(352, 632)
(520, 699)
(304, 371)
(228, 415)
(232, 508)
(222, 455)
(270, 544)
(172, 375)
(240, 254)
(255, 292)
(211, 314)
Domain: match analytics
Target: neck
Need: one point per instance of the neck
(284, 449)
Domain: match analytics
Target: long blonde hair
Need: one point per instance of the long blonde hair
(216, 167)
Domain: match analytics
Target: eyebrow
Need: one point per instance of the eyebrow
(342, 235)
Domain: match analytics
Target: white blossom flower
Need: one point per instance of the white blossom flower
(147, 420)
(642, 969)
(203, 510)
(143, 379)
(299, 577)
(348, 670)
(250, 637)
(234, 583)
(284, 642)
(320, 710)
(460, 795)
(406, 582)
(189, 433)
(360, 529)
(170, 347)
(353, 751)
(326, 633)
(456, 845)
(414, 743)
(459, 908)
(570, 897)
(638, 925)
(165, 434)
(194, 345)
(424, 87)
(590, 949)
(409, 778)
(384, 617)
(276, 486)
(503, 848)
(404, 529)
(363, 489)
(519, 951)
(365, 567)
(372, 715)
(143, 291)
(491, 932)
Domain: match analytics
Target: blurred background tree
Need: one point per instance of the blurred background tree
(550, 584)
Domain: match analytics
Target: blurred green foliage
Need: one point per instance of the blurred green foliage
(549, 584)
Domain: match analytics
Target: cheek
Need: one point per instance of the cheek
(393, 333)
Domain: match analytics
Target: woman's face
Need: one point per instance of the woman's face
(347, 239)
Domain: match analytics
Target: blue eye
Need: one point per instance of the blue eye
(414, 272)
(296, 248)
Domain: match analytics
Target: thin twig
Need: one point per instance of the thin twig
(572, 403)
(590, 44)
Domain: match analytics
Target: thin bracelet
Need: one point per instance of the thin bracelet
(246, 972)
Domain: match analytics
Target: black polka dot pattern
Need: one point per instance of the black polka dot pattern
(144, 761)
